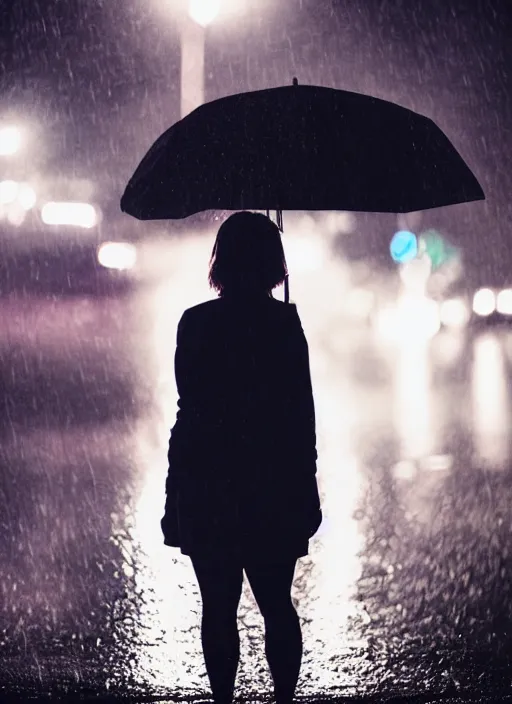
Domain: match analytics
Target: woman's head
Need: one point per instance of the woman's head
(247, 255)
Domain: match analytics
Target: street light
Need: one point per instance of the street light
(10, 140)
(200, 14)
(204, 11)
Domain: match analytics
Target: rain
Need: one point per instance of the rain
(406, 589)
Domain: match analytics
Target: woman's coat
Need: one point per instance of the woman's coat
(242, 453)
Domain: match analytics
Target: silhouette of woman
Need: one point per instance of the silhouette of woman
(241, 487)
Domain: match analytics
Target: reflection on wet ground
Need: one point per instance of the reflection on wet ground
(407, 585)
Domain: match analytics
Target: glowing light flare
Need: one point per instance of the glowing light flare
(484, 302)
(16, 215)
(10, 140)
(504, 302)
(360, 302)
(77, 214)
(305, 253)
(491, 408)
(204, 11)
(449, 348)
(8, 192)
(454, 313)
(17, 195)
(414, 318)
(117, 255)
(411, 409)
(415, 274)
(404, 246)
(26, 196)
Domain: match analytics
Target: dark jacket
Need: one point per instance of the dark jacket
(242, 454)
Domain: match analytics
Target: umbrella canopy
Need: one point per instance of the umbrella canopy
(299, 148)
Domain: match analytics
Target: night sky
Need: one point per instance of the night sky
(99, 81)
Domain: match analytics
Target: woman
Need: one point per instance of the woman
(241, 488)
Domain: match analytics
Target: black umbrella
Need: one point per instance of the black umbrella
(299, 148)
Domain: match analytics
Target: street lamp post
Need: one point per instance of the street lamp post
(193, 31)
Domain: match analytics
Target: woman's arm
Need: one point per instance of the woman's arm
(301, 406)
(175, 453)
(184, 381)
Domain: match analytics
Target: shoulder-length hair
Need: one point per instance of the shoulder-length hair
(248, 254)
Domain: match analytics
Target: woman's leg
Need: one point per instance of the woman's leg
(271, 585)
(220, 583)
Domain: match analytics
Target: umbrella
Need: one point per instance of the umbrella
(299, 147)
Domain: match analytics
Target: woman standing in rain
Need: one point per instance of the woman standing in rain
(241, 487)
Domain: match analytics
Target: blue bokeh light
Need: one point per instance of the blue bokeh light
(404, 246)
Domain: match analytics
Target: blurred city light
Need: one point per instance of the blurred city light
(405, 469)
(10, 140)
(404, 246)
(411, 401)
(204, 11)
(360, 302)
(438, 249)
(15, 200)
(8, 192)
(413, 318)
(117, 255)
(339, 222)
(77, 214)
(12, 192)
(305, 253)
(416, 273)
(442, 278)
(26, 196)
(454, 313)
(436, 463)
(490, 403)
(449, 348)
(16, 214)
(484, 302)
(504, 302)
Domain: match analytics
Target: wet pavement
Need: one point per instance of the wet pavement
(406, 593)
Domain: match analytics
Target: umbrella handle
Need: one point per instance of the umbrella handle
(279, 222)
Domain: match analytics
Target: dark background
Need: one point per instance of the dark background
(99, 81)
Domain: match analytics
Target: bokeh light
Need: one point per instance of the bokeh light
(504, 302)
(484, 302)
(26, 196)
(10, 140)
(454, 313)
(117, 255)
(413, 318)
(415, 274)
(77, 214)
(404, 246)
(8, 192)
